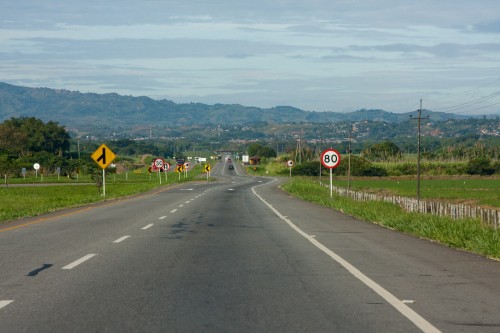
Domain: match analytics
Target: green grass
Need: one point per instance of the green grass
(476, 191)
(467, 234)
(33, 199)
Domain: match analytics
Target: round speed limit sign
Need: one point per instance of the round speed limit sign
(330, 158)
(158, 163)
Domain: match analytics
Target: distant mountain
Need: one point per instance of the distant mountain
(76, 110)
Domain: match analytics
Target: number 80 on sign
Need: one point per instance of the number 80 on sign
(330, 158)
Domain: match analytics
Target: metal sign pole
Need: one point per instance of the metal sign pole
(104, 182)
(331, 184)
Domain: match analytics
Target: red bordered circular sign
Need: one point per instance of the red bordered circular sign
(330, 158)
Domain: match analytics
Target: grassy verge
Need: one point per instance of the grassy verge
(35, 199)
(469, 234)
(481, 191)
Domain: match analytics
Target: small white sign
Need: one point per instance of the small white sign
(36, 166)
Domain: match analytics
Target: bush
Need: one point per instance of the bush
(480, 166)
(360, 167)
(306, 169)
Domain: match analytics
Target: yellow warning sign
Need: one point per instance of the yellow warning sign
(103, 156)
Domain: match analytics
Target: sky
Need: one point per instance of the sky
(316, 55)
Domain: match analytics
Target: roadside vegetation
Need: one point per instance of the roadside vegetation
(34, 197)
(457, 169)
(466, 234)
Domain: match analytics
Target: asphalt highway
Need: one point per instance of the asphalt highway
(234, 255)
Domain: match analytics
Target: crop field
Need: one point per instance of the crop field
(475, 191)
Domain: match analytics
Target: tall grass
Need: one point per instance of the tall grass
(467, 234)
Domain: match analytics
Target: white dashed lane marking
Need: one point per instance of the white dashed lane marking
(121, 239)
(162, 217)
(148, 226)
(5, 303)
(79, 261)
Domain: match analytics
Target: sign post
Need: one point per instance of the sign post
(158, 165)
(330, 158)
(103, 156)
(166, 167)
(36, 166)
(207, 170)
(290, 165)
(186, 167)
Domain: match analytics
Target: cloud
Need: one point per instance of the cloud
(317, 55)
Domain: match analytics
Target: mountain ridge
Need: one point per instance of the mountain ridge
(76, 109)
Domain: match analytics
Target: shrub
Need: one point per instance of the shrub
(480, 166)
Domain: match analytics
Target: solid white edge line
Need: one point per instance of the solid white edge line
(121, 239)
(147, 226)
(5, 303)
(79, 261)
(413, 316)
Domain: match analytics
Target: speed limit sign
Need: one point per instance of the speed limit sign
(330, 158)
(289, 163)
(158, 163)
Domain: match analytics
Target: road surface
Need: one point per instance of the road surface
(234, 255)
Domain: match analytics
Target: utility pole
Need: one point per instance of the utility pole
(298, 154)
(419, 118)
(349, 163)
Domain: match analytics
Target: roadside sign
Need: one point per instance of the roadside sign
(179, 168)
(290, 165)
(166, 166)
(103, 156)
(158, 163)
(207, 168)
(330, 158)
(36, 166)
(186, 165)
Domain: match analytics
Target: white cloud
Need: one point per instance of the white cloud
(316, 55)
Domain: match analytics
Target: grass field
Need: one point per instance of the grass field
(483, 191)
(35, 198)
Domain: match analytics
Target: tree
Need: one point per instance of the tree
(25, 136)
(383, 151)
(256, 149)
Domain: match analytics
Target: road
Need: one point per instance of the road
(234, 255)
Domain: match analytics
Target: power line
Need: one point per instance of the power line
(470, 103)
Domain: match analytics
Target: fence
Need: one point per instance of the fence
(489, 217)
